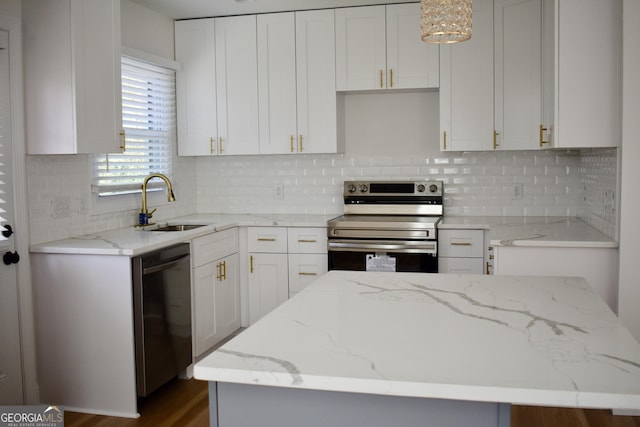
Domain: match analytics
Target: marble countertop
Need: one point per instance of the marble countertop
(533, 231)
(131, 241)
(523, 340)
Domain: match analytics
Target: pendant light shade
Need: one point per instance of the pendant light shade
(445, 21)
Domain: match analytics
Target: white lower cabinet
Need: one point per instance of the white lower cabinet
(216, 290)
(307, 249)
(599, 266)
(282, 261)
(461, 251)
(268, 281)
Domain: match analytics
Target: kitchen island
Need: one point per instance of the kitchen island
(363, 348)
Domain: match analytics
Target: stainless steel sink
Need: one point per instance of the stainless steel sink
(177, 227)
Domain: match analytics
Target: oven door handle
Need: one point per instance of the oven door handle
(381, 246)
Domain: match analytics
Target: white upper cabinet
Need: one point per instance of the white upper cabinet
(217, 92)
(379, 47)
(587, 65)
(236, 85)
(196, 87)
(316, 82)
(277, 82)
(73, 94)
(518, 73)
(296, 82)
(491, 89)
(466, 86)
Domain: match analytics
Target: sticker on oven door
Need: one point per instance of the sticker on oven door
(380, 262)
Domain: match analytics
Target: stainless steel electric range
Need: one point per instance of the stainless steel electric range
(387, 226)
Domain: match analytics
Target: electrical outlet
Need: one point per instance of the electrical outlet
(516, 193)
(278, 190)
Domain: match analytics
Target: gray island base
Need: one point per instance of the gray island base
(242, 405)
(403, 349)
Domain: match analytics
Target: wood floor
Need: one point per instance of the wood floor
(184, 403)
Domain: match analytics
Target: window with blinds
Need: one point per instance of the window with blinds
(149, 121)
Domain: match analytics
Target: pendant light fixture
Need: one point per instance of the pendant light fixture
(445, 21)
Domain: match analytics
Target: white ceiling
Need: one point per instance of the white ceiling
(185, 9)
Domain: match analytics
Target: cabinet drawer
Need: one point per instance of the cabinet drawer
(304, 269)
(267, 239)
(307, 240)
(460, 265)
(214, 246)
(461, 243)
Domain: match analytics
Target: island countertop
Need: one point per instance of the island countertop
(521, 340)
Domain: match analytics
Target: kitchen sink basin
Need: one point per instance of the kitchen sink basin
(177, 227)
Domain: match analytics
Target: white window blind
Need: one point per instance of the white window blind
(149, 121)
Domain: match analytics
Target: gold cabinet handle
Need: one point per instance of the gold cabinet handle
(444, 137)
(223, 273)
(303, 273)
(300, 143)
(221, 148)
(123, 138)
(390, 77)
(495, 139)
(542, 142)
(266, 239)
(488, 268)
(291, 143)
(211, 143)
(460, 244)
(381, 86)
(307, 241)
(250, 263)
(219, 271)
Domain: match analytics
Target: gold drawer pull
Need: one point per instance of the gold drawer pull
(123, 135)
(460, 244)
(221, 146)
(266, 239)
(302, 273)
(291, 143)
(307, 241)
(251, 263)
(495, 139)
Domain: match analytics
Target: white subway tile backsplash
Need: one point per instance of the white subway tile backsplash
(554, 183)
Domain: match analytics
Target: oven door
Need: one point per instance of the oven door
(383, 255)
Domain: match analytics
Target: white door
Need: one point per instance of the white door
(277, 83)
(236, 88)
(196, 88)
(411, 63)
(10, 361)
(316, 80)
(361, 50)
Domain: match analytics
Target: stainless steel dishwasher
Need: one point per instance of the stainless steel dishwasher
(162, 315)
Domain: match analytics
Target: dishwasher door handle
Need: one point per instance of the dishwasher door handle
(165, 266)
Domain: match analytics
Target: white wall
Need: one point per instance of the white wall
(629, 286)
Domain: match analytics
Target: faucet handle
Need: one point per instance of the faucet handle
(150, 214)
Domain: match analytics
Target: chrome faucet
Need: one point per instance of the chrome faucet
(145, 215)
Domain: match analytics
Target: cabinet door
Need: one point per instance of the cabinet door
(460, 265)
(73, 91)
(361, 48)
(196, 87)
(304, 269)
(518, 73)
(216, 302)
(236, 89)
(227, 295)
(316, 82)
(466, 86)
(204, 315)
(411, 63)
(588, 70)
(268, 283)
(277, 83)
